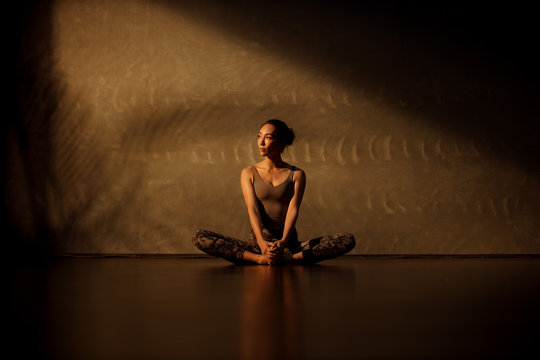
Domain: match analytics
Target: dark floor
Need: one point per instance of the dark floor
(347, 308)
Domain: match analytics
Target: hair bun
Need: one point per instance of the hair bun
(289, 136)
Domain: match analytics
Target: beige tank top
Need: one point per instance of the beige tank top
(273, 201)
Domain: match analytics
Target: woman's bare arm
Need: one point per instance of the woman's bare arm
(251, 203)
(294, 206)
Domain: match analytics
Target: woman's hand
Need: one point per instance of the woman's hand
(278, 246)
(275, 251)
(265, 247)
(266, 252)
(272, 251)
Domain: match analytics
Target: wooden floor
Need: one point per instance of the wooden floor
(348, 308)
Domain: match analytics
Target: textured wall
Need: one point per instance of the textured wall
(136, 118)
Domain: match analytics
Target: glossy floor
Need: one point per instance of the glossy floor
(347, 308)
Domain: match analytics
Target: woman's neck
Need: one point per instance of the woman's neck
(273, 163)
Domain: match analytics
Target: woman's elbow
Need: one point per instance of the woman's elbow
(253, 210)
(294, 207)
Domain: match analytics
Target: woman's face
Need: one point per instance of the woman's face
(267, 140)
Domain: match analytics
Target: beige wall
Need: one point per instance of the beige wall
(413, 142)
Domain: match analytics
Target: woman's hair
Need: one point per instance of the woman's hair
(285, 135)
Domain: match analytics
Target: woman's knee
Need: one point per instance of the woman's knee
(348, 240)
(199, 237)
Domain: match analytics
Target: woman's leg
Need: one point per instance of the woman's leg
(226, 247)
(324, 247)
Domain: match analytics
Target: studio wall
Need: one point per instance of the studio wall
(135, 118)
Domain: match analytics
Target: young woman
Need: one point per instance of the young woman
(273, 192)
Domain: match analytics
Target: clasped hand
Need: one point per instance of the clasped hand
(273, 251)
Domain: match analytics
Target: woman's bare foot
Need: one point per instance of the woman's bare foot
(287, 256)
(282, 256)
(262, 260)
(255, 258)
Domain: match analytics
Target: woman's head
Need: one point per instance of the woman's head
(274, 134)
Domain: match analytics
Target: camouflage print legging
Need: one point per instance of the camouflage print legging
(314, 250)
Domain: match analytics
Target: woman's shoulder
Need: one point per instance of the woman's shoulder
(295, 168)
(247, 170)
(297, 173)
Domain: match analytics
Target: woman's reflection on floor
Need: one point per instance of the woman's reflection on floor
(271, 313)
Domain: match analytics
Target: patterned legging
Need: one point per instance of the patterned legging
(314, 250)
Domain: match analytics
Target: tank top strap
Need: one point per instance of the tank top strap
(256, 176)
(255, 172)
(292, 170)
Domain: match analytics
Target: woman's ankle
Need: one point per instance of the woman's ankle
(262, 260)
(255, 258)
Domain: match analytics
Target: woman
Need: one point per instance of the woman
(273, 192)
